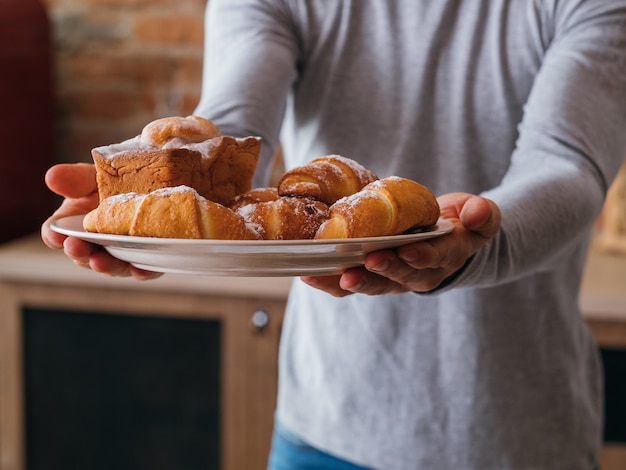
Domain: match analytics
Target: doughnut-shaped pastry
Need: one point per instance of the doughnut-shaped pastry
(177, 212)
(326, 179)
(285, 218)
(185, 129)
(388, 206)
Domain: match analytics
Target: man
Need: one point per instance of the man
(464, 352)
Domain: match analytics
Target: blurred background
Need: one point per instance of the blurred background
(75, 74)
(81, 73)
(119, 64)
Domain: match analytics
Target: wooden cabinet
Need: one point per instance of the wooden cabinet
(36, 277)
(603, 303)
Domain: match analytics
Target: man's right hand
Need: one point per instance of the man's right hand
(76, 182)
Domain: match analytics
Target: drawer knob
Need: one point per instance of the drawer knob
(260, 319)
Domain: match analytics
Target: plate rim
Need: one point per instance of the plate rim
(441, 227)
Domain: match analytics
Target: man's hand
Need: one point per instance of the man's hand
(77, 184)
(424, 265)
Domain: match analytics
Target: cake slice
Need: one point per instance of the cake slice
(178, 151)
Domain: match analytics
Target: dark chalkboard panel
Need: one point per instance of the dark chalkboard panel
(123, 392)
(614, 361)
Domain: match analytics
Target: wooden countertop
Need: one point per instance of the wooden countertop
(29, 260)
(603, 293)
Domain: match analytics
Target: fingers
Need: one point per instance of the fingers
(78, 250)
(355, 280)
(329, 284)
(424, 265)
(94, 257)
(67, 208)
(85, 254)
(76, 182)
(481, 216)
(477, 214)
(102, 262)
(50, 237)
(72, 180)
(403, 276)
(143, 275)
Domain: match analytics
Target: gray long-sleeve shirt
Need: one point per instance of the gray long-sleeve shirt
(523, 101)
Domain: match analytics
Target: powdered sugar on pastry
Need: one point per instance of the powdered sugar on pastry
(325, 179)
(286, 218)
(178, 151)
(384, 207)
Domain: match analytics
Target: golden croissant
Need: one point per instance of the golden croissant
(177, 212)
(388, 206)
(325, 179)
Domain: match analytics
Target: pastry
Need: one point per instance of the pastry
(165, 132)
(253, 196)
(177, 151)
(388, 206)
(326, 179)
(285, 218)
(178, 212)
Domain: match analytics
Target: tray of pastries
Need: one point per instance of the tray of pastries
(178, 198)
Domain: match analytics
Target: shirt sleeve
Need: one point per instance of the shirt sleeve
(572, 141)
(250, 61)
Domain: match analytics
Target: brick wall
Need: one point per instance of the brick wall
(121, 64)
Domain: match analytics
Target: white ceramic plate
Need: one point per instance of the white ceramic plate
(244, 257)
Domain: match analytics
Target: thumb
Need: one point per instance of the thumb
(481, 215)
(73, 180)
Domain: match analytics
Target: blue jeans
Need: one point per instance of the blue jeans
(289, 452)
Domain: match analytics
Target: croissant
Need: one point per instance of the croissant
(177, 212)
(326, 179)
(285, 218)
(388, 206)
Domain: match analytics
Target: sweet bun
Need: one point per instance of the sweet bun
(178, 151)
(176, 128)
